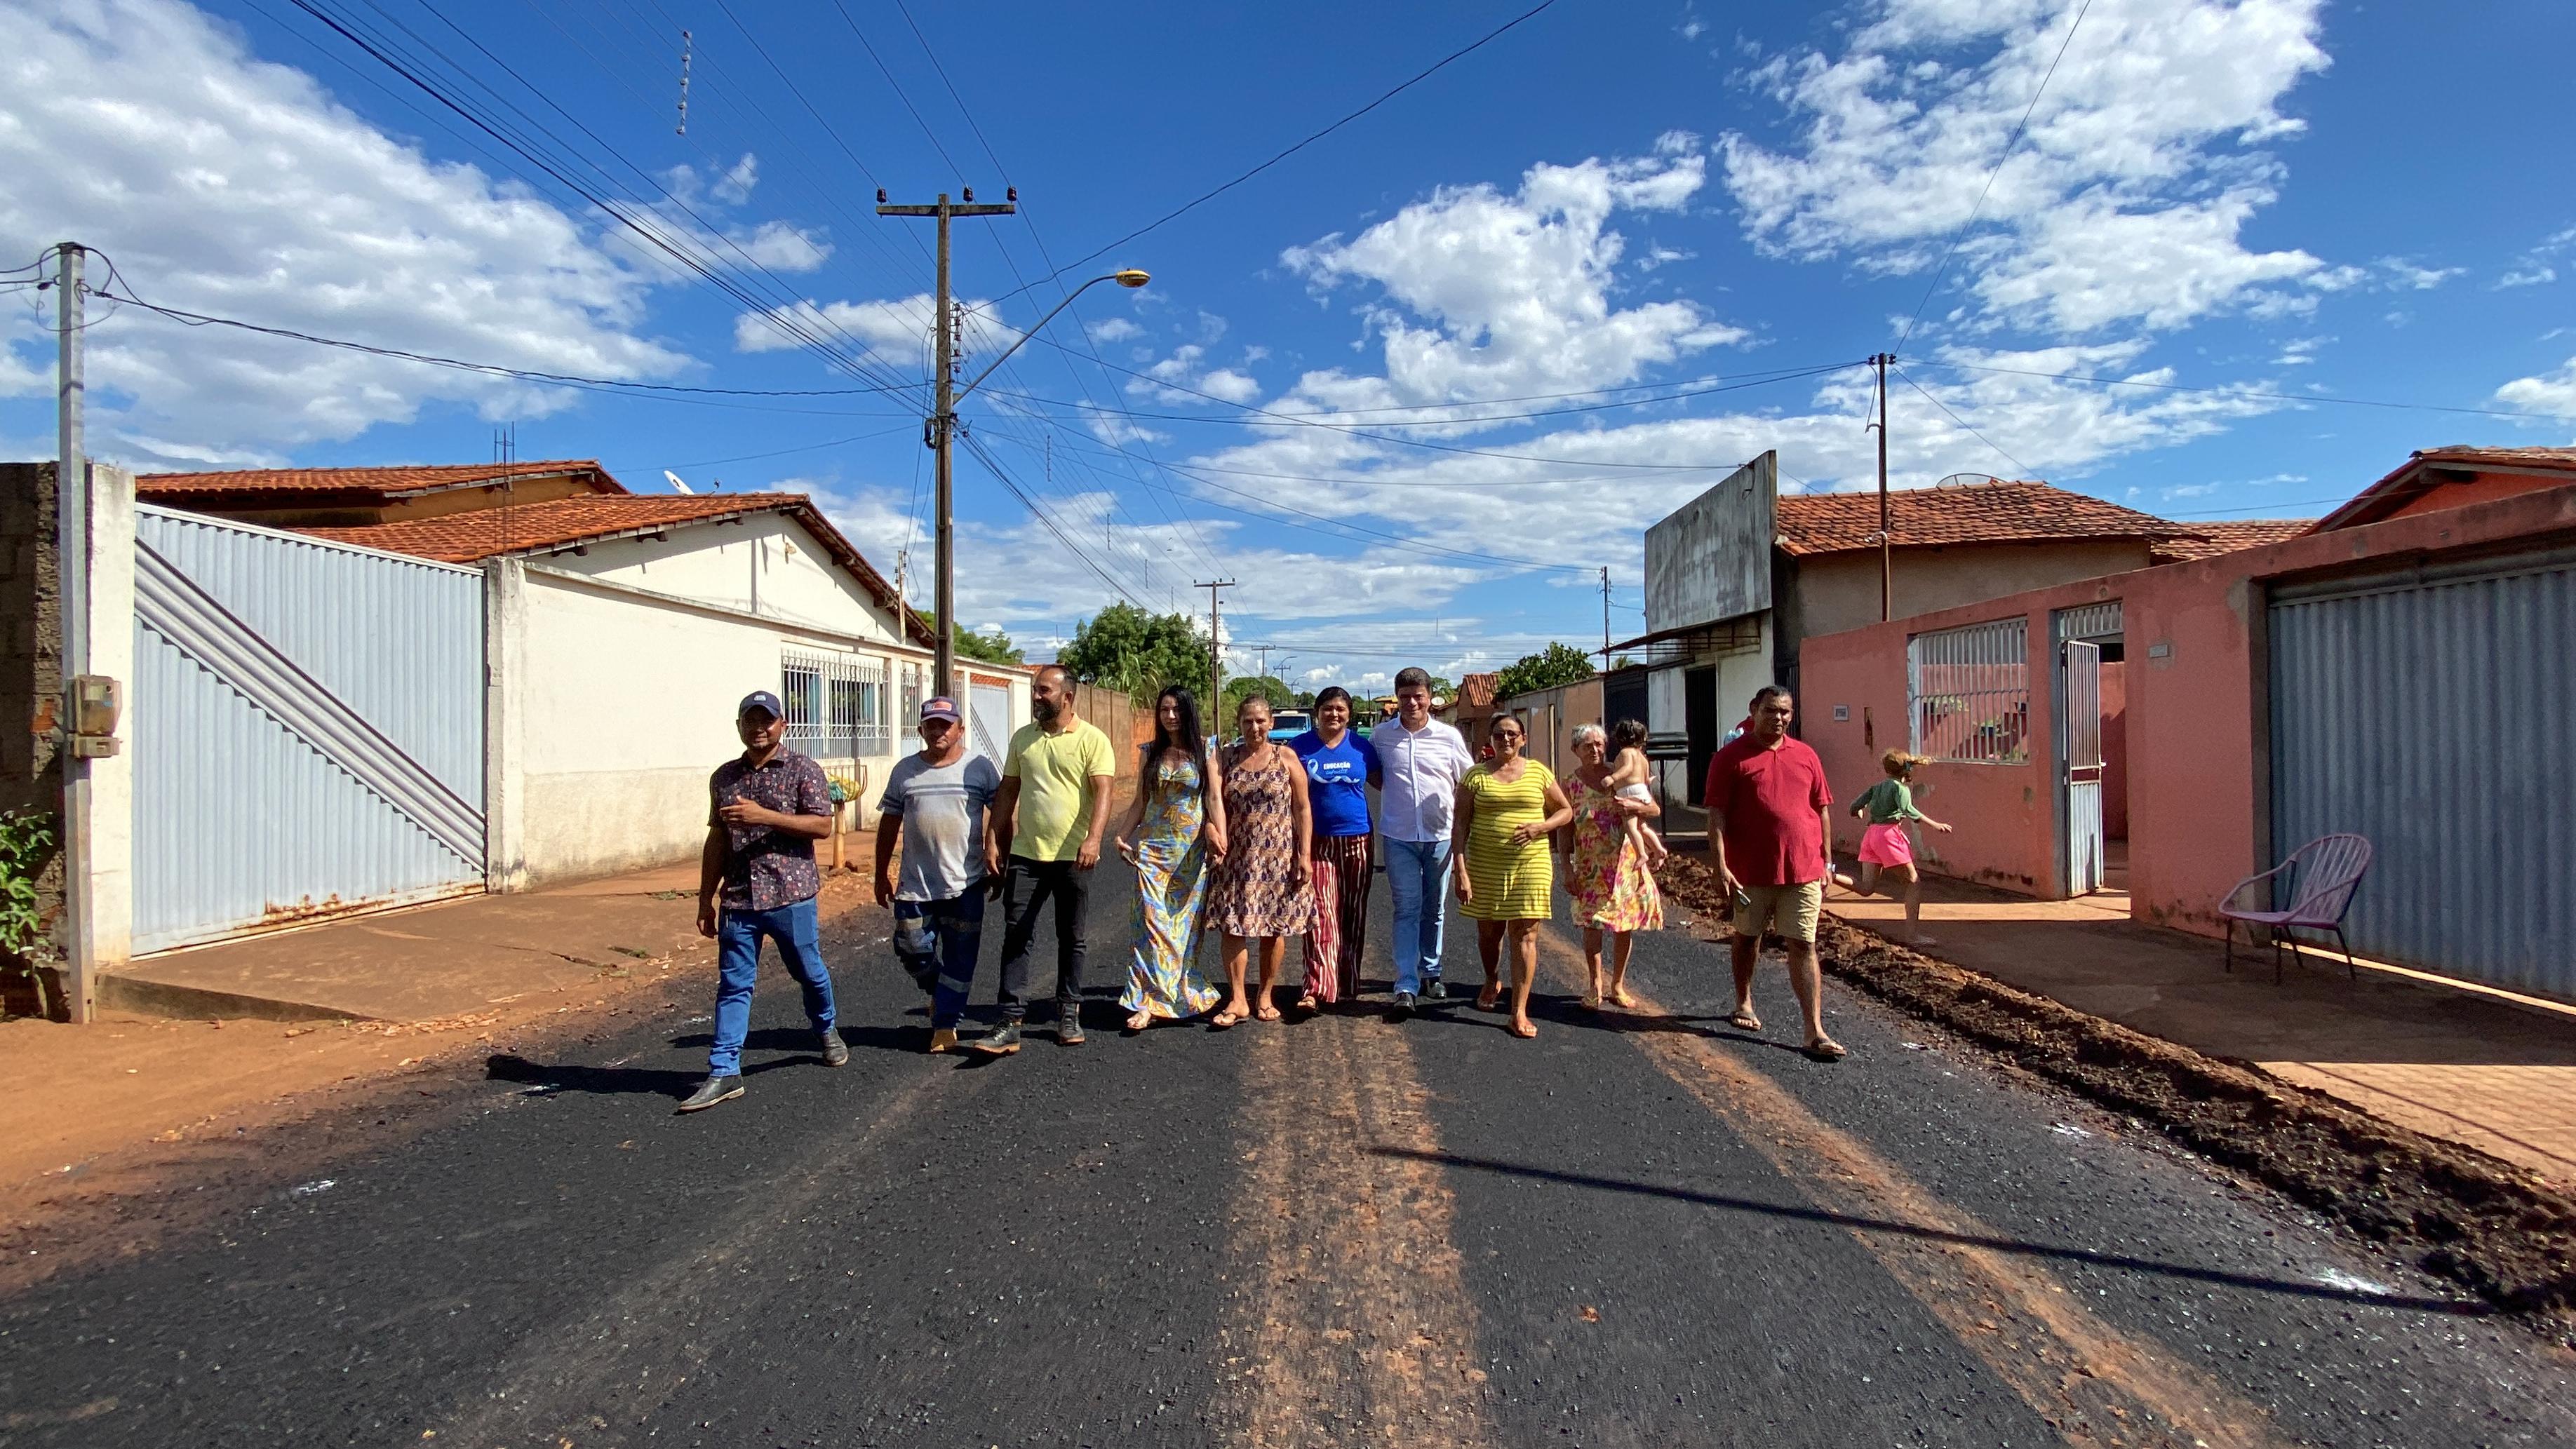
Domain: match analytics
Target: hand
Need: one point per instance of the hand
(1937, 825)
(1215, 843)
(1527, 831)
(1466, 892)
(1727, 882)
(745, 813)
(706, 917)
(1126, 849)
(885, 886)
(993, 862)
(1088, 855)
(1302, 871)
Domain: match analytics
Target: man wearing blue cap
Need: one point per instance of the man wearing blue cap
(756, 878)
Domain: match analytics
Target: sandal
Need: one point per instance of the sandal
(1224, 1019)
(1744, 1021)
(1489, 998)
(1306, 1002)
(1522, 1029)
(1265, 1012)
(1619, 997)
(1825, 1049)
(1592, 1001)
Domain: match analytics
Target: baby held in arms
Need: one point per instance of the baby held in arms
(1628, 775)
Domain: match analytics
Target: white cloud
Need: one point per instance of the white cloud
(2536, 267)
(2406, 274)
(2552, 394)
(1114, 329)
(221, 183)
(2127, 194)
(2530, 276)
(1184, 378)
(1483, 293)
(894, 332)
(2301, 352)
(735, 185)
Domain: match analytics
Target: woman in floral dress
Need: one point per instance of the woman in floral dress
(1264, 884)
(1614, 893)
(1177, 826)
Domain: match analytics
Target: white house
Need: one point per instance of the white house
(616, 633)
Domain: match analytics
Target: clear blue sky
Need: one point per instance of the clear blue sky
(1608, 205)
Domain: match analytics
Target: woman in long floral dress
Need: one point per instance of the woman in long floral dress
(1264, 886)
(1178, 825)
(1614, 893)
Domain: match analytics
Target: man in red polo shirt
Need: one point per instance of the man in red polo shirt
(1770, 814)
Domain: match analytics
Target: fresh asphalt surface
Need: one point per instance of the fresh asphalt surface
(1048, 1249)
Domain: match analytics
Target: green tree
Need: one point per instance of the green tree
(1268, 687)
(1561, 664)
(1125, 648)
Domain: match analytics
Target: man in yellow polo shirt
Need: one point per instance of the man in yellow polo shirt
(1047, 822)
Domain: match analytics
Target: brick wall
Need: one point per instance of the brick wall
(30, 676)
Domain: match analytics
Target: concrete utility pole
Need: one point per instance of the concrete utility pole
(1216, 649)
(71, 546)
(1605, 618)
(1886, 539)
(943, 425)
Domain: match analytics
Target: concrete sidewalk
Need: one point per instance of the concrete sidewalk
(2494, 1071)
(432, 962)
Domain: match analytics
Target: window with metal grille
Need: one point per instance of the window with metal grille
(835, 705)
(911, 694)
(1968, 691)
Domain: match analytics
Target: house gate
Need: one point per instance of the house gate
(307, 726)
(2434, 711)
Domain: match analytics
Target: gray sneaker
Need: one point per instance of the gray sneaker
(1068, 1027)
(1403, 1006)
(1001, 1041)
(1433, 990)
(712, 1091)
(836, 1052)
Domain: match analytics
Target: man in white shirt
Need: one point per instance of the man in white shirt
(1422, 761)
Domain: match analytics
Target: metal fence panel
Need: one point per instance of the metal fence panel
(2436, 715)
(2096, 622)
(836, 704)
(307, 726)
(1968, 690)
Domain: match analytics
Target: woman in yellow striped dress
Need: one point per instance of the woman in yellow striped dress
(1508, 810)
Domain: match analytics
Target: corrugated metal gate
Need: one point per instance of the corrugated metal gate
(2434, 711)
(2079, 766)
(307, 727)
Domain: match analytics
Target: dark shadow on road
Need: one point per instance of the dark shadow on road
(2454, 1308)
(576, 1077)
(800, 1040)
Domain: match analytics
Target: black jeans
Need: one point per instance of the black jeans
(1027, 885)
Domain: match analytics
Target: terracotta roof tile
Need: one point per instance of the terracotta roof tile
(377, 482)
(484, 533)
(1821, 523)
(2551, 459)
(2213, 539)
(2404, 482)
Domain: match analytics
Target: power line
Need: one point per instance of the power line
(2025, 468)
(1979, 209)
(1213, 193)
(2289, 397)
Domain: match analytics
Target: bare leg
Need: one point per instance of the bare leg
(1273, 949)
(1489, 949)
(1237, 1007)
(1592, 968)
(1913, 906)
(1808, 984)
(1524, 946)
(1620, 941)
(1743, 951)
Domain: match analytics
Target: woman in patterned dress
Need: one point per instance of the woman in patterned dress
(1508, 807)
(1614, 892)
(1177, 827)
(1263, 885)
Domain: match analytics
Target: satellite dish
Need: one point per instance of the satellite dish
(675, 481)
(1967, 480)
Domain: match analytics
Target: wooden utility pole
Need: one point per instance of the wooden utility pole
(943, 426)
(1216, 649)
(1886, 538)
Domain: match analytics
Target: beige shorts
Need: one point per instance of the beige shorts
(1789, 909)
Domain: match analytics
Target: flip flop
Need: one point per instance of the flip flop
(1592, 1002)
(1306, 1003)
(1489, 998)
(1140, 1021)
(1621, 998)
(1744, 1021)
(1522, 1029)
(1223, 1020)
(1265, 1012)
(1825, 1049)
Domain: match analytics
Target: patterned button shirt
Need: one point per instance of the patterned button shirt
(764, 868)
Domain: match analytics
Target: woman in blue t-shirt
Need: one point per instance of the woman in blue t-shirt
(1340, 769)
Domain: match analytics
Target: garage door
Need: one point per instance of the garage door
(2434, 712)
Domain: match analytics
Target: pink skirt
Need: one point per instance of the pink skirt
(1886, 845)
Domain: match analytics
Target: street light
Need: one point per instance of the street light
(943, 426)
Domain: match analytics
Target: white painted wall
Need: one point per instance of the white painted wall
(767, 564)
(623, 705)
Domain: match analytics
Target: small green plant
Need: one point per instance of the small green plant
(24, 841)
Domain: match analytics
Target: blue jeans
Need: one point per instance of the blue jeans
(937, 942)
(1417, 871)
(738, 935)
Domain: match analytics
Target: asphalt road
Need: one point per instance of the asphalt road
(1642, 1228)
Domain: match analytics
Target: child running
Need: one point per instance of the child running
(1884, 847)
(1628, 774)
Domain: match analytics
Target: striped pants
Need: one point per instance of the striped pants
(1341, 917)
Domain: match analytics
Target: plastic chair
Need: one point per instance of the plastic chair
(2320, 878)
